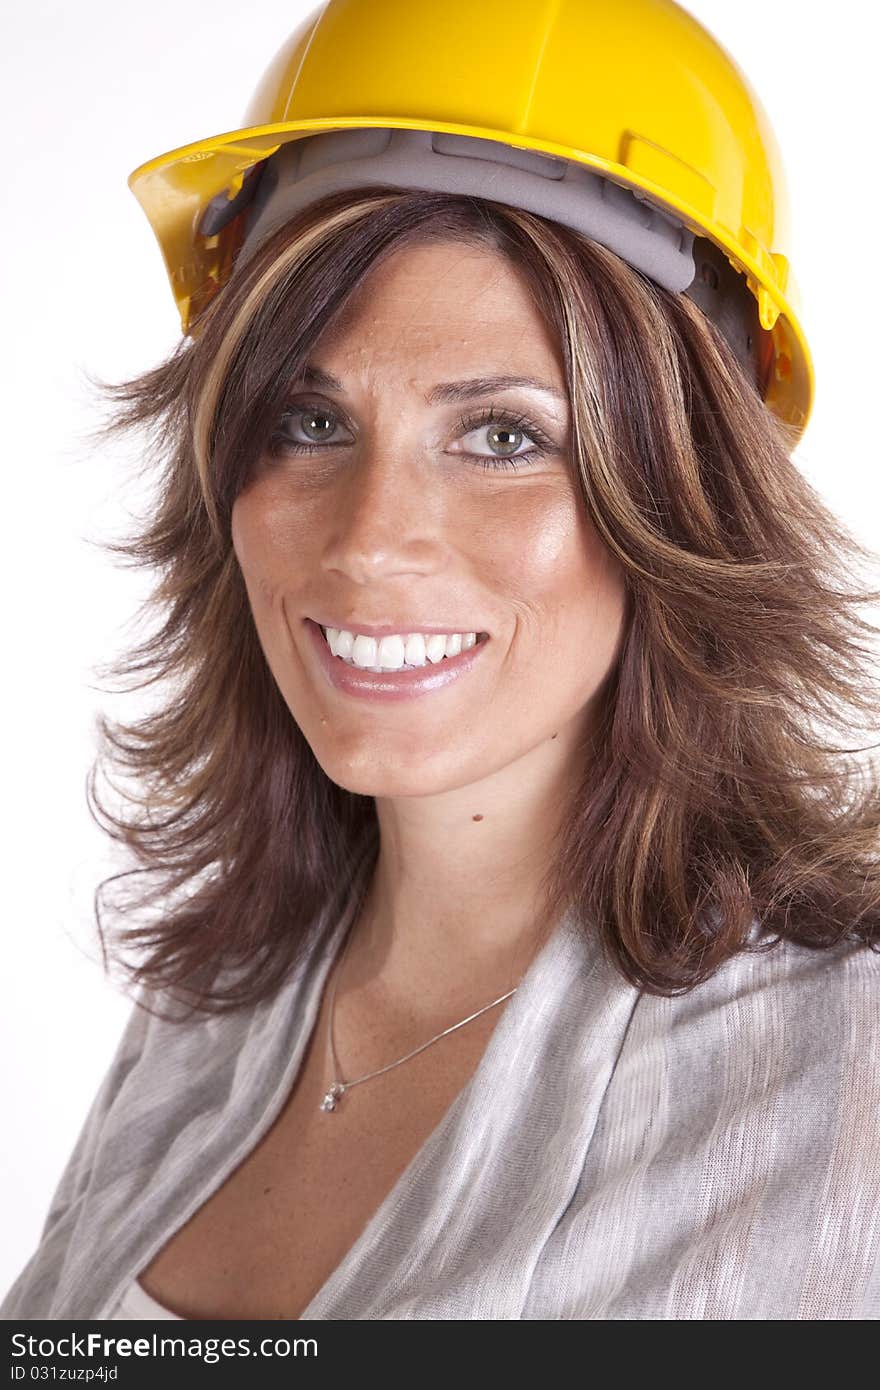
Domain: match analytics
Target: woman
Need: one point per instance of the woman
(516, 958)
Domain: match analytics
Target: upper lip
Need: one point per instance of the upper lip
(404, 628)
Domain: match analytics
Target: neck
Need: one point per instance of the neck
(456, 905)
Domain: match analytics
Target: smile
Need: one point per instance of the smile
(399, 652)
(437, 665)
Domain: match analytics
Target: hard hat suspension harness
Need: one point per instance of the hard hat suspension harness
(624, 220)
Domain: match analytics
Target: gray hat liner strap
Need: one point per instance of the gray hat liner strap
(622, 219)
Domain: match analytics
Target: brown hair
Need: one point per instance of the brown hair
(711, 799)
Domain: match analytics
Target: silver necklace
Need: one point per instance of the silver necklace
(338, 1087)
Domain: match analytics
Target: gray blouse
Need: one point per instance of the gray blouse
(614, 1155)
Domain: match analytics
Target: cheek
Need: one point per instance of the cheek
(545, 557)
(268, 543)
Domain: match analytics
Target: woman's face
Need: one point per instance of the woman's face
(399, 519)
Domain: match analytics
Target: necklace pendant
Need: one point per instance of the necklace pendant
(331, 1099)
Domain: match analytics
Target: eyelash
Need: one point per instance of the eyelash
(465, 423)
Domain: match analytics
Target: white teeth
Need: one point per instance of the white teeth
(396, 652)
(435, 647)
(344, 642)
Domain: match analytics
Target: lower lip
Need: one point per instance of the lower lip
(391, 685)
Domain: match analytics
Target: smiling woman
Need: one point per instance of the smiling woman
(382, 536)
(514, 950)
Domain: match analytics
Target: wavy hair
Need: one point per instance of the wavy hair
(714, 797)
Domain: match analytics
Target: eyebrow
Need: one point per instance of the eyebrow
(445, 391)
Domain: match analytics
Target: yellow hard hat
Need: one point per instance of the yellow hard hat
(625, 118)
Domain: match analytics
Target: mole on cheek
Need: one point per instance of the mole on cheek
(476, 817)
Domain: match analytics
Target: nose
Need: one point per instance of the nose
(386, 519)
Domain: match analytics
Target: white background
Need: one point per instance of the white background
(90, 91)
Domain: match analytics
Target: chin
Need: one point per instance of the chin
(395, 774)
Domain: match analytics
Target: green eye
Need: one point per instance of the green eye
(319, 424)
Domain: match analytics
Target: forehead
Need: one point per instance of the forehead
(441, 305)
